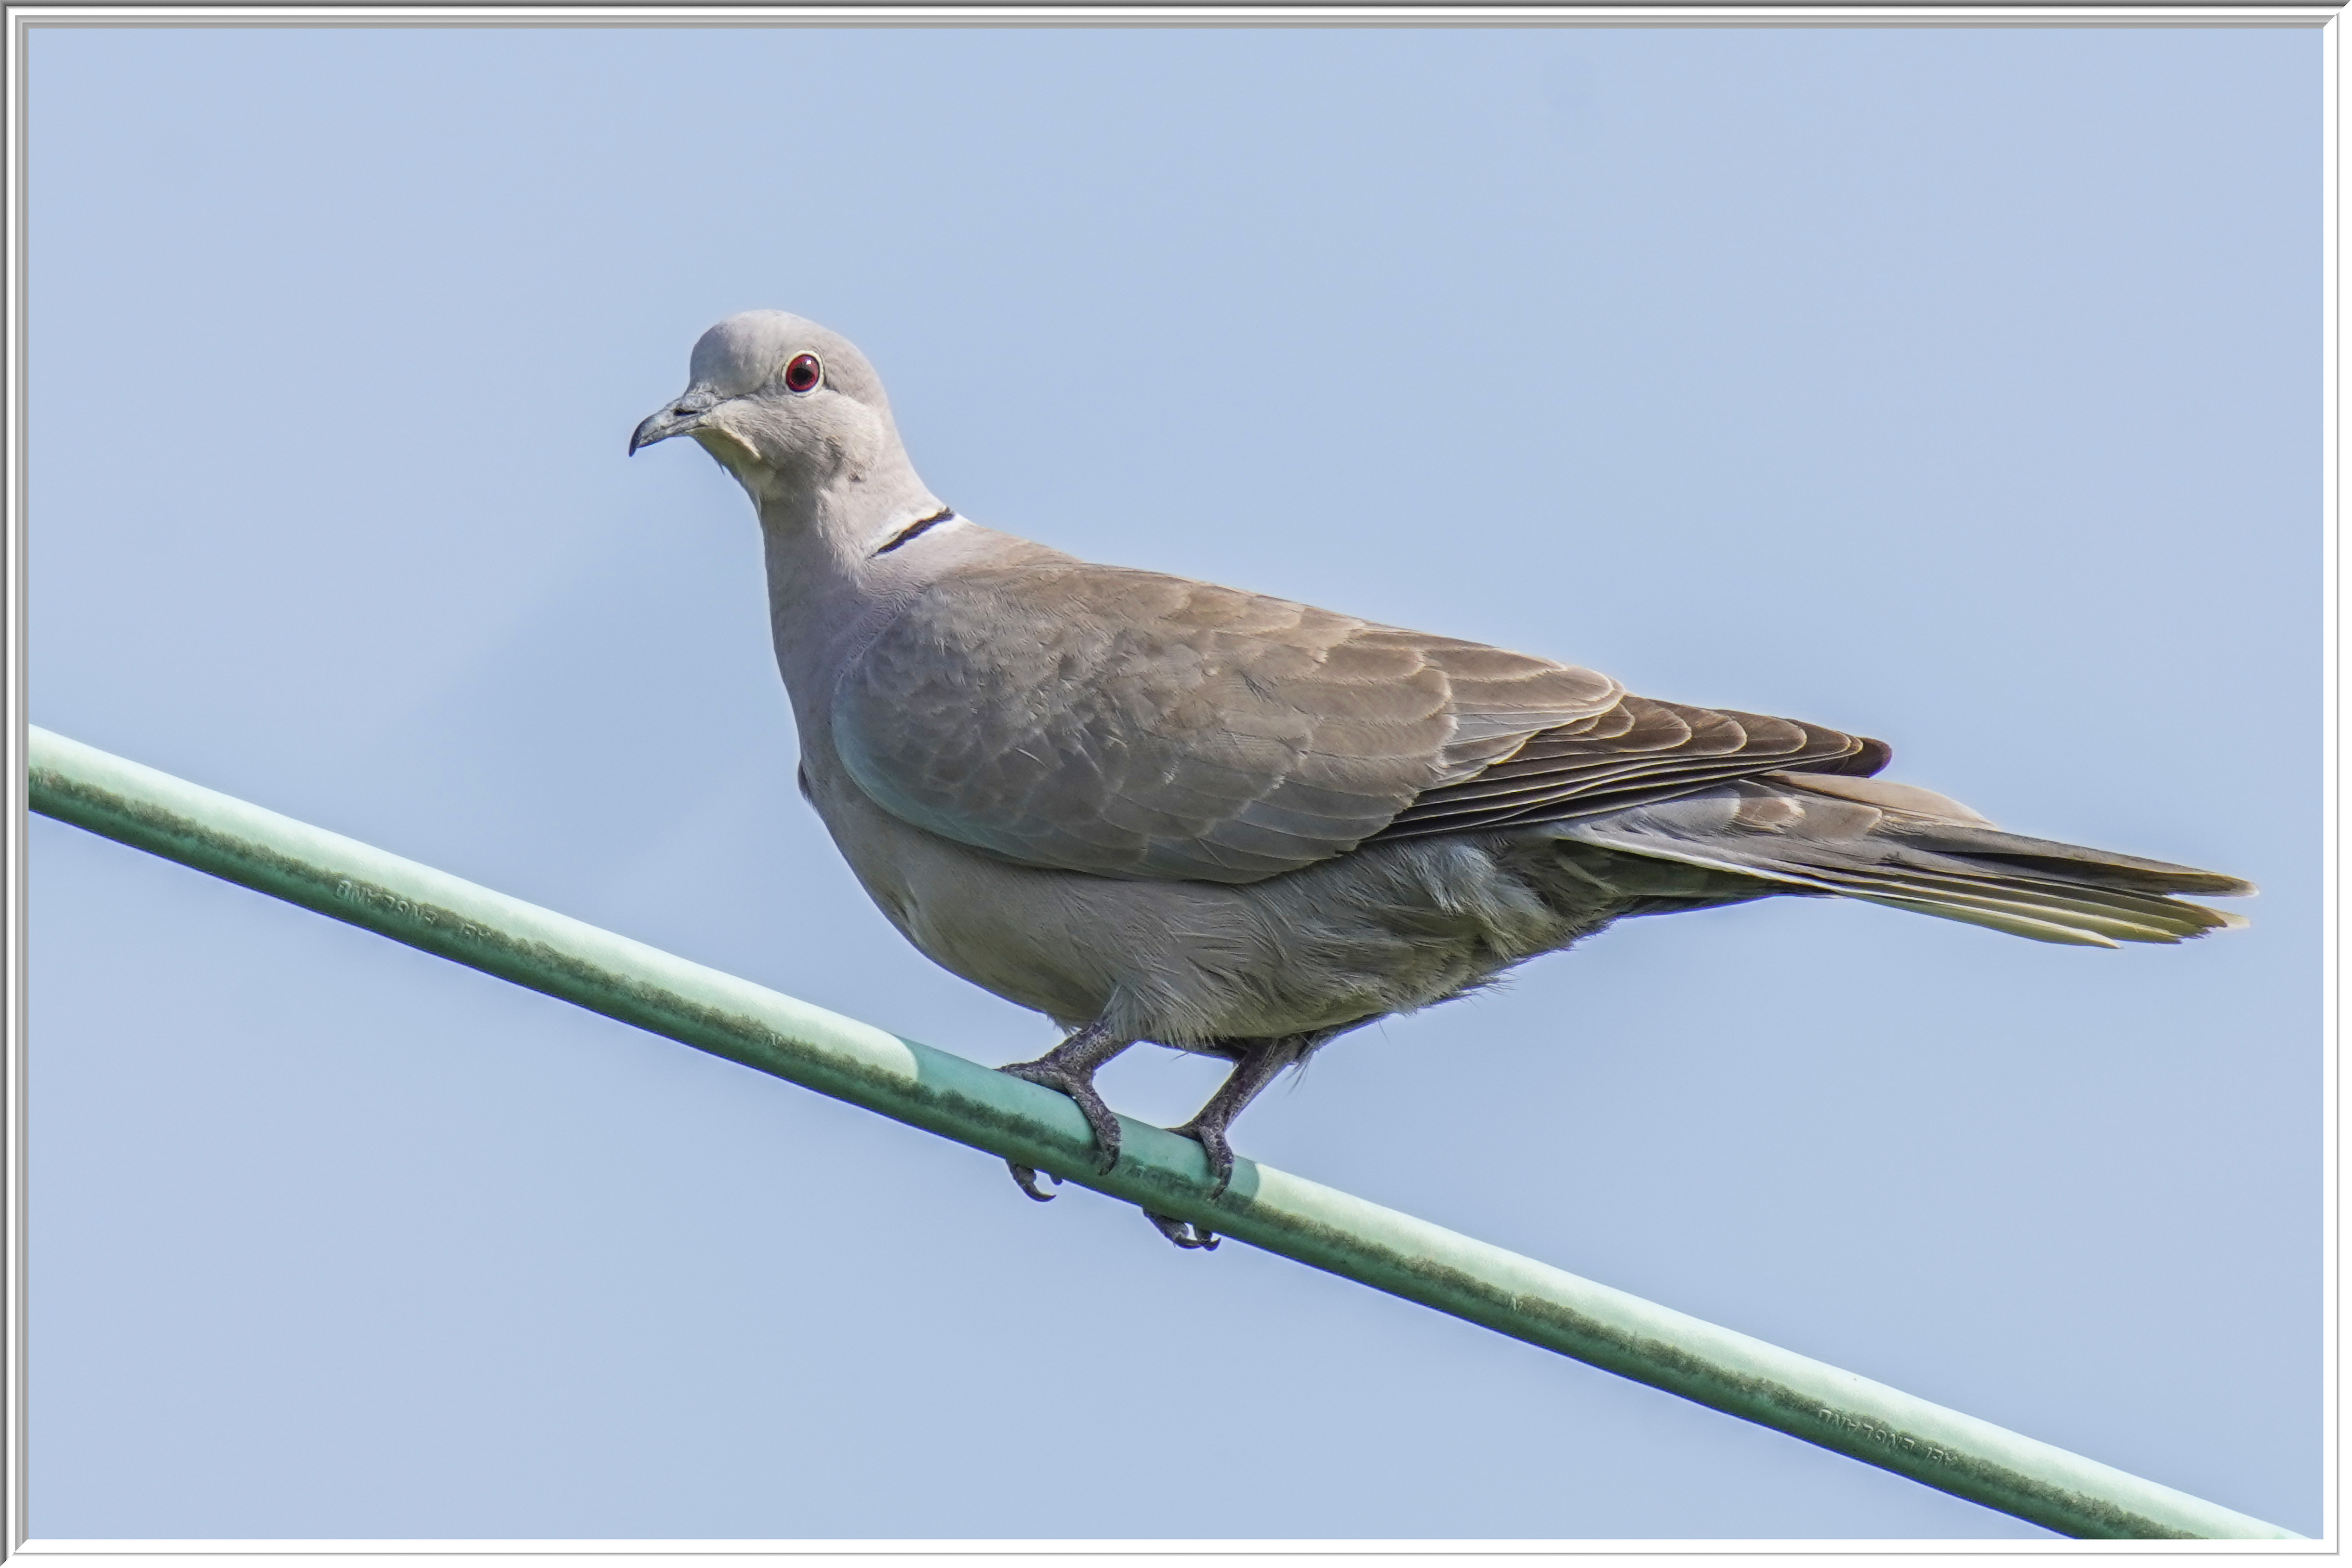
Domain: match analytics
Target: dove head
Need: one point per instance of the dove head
(797, 416)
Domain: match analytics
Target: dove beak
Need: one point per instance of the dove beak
(675, 420)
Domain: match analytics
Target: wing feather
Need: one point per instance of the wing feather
(1129, 725)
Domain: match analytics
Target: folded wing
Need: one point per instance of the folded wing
(1130, 724)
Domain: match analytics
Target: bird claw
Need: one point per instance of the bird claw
(1098, 1112)
(1212, 1140)
(1026, 1178)
(1184, 1232)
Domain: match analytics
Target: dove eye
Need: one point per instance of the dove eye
(802, 374)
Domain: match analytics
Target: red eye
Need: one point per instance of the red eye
(804, 374)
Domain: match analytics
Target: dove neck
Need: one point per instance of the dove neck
(831, 530)
(828, 591)
(826, 604)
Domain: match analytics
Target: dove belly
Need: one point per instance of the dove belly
(1386, 929)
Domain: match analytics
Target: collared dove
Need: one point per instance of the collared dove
(1157, 809)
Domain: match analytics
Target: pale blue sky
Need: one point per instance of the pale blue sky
(1958, 387)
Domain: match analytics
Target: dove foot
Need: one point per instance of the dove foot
(1261, 1062)
(1184, 1232)
(1211, 1136)
(1070, 1068)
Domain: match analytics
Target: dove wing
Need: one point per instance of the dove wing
(1640, 751)
(1130, 724)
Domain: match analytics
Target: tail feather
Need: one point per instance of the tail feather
(1904, 847)
(2094, 920)
(2050, 858)
(2127, 913)
(2014, 924)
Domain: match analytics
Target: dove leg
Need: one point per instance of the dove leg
(1261, 1062)
(1070, 1068)
(1258, 1066)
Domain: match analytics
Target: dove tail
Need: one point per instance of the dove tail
(1910, 849)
